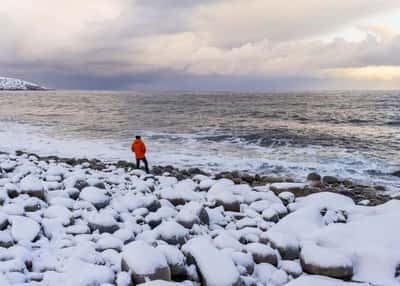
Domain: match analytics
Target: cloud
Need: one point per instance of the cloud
(167, 43)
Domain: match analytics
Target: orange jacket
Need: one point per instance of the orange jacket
(138, 148)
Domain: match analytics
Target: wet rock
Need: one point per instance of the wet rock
(314, 177)
(295, 188)
(330, 180)
(397, 173)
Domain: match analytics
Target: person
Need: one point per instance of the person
(139, 149)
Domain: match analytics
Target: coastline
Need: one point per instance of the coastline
(103, 219)
(314, 183)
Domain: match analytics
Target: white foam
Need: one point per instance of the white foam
(186, 151)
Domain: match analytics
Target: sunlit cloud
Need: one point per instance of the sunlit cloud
(246, 40)
(386, 73)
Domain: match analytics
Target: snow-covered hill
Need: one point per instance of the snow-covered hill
(7, 83)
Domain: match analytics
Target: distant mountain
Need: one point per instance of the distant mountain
(7, 83)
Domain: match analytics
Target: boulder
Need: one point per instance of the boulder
(175, 259)
(314, 260)
(24, 228)
(172, 232)
(214, 267)
(145, 262)
(295, 188)
(262, 253)
(103, 222)
(221, 193)
(33, 187)
(330, 180)
(192, 213)
(6, 240)
(97, 197)
(287, 245)
(314, 177)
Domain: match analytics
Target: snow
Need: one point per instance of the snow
(322, 281)
(66, 243)
(24, 228)
(208, 259)
(31, 183)
(324, 256)
(143, 258)
(7, 83)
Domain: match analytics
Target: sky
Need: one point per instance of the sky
(202, 45)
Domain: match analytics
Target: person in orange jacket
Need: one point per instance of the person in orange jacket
(139, 149)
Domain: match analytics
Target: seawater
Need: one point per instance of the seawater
(352, 134)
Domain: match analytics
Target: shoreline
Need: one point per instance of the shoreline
(314, 183)
(107, 217)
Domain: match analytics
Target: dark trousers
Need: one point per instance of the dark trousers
(146, 165)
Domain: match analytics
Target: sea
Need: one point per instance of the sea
(350, 134)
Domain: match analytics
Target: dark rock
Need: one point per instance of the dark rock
(397, 173)
(340, 272)
(330, 180)
(80, 184)
(229, 206)
(314, 177)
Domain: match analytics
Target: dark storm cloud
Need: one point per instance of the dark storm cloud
(192, 44)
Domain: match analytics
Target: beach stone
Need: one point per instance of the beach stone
(24, 229)
(104, 223)
(312, 259)
(287, 197)
(3, 221)
(295, 188)
(200, 251)
(80, 184)
(12, 193)
(172, 232)
(192, 213)
(33, 187)
(330, 180)
(291, 267)
(8, 167)
(97, 197)
(32, 206)
(144, 262)
(6, 240)
(175, 260)
(287, 245)
(314, 177)
(231, 206)
(262, 253)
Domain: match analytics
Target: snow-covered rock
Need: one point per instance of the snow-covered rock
(145, 262)
(7, 83)
(208, 259)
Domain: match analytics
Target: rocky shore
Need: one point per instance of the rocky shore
(79, 222)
